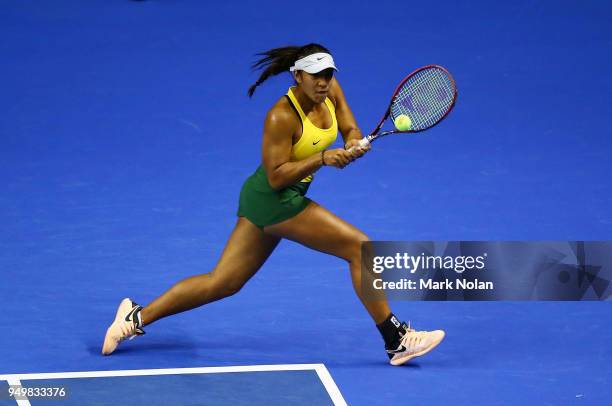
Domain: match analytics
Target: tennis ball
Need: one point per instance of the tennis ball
(403, 122)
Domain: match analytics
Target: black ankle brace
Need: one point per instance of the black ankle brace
(391, 331)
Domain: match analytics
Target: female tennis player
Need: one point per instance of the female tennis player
(298, 130)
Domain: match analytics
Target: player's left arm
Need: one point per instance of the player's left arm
(351, 134)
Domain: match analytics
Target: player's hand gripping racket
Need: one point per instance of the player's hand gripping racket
(421, 100)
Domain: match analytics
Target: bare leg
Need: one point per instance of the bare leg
(318, 228)
(245, 252)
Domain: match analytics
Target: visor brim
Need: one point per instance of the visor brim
(319, 68)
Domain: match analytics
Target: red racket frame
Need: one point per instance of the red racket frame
(374, 134)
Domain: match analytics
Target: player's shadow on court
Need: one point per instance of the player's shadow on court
(180, 345)
(379, 362)
(159, 344)
(434, 361)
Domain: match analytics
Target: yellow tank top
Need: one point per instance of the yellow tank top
(313, 139)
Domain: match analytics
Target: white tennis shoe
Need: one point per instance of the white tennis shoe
(127, 324)
(414, 344)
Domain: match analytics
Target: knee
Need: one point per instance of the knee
(355, 246)
(224, 287)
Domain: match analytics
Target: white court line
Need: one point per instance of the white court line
(16, 382)
(322, 372)
(330, 385)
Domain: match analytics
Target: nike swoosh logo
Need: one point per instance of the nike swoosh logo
(130, 315)
(318, 59)
(401, 348)
(130, 319)
(315, 143)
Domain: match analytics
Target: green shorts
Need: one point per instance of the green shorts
(264, 206)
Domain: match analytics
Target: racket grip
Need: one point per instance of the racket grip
(364, 142)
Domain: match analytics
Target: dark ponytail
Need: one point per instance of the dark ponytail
(279, 60)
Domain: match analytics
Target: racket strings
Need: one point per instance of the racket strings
(420, 97)
(425, 98)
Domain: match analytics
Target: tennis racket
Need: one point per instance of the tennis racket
(426, 96)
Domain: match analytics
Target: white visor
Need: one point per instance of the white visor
(314, 63)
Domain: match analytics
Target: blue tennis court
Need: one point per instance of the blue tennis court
(251, 385)
(126, 134)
